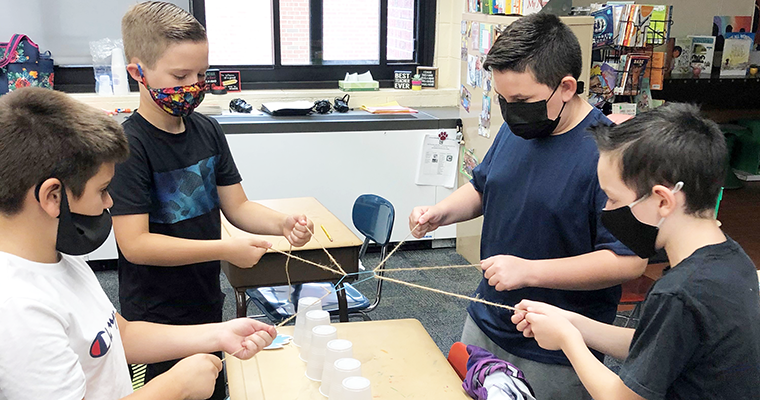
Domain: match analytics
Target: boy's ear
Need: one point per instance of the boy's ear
(50, 197)
(668, 200)
(133, 72)
(568, 86)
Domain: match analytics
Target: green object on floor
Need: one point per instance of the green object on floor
(731, 181)
(746, 155)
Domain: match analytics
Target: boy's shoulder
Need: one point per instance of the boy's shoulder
(709, 273)
(137, 126)
(24, 279)
(594, 117)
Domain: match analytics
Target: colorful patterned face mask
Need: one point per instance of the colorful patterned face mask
(179, 101)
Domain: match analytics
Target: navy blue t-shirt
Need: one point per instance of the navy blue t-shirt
(542, 200)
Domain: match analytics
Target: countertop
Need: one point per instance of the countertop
(355, 120)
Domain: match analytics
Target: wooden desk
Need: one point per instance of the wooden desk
(270, 271)
(397, 356)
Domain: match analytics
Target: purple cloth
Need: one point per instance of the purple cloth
(483, 363)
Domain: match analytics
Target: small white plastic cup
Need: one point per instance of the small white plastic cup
(336, 349)
(357, 388)
(320, 336)
(344, 368)
(305, 304)
(313, 318)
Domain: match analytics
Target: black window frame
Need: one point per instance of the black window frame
(326, 75)
(81, 79)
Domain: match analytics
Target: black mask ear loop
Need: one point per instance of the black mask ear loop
(564, 103)
(37, 193)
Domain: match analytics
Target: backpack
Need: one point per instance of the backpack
(22, 65)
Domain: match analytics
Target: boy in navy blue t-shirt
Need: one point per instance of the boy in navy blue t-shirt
(540, 198)
(699, 332)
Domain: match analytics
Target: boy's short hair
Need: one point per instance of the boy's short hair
(540, 43)
(47, 134)
(666, 145)
(149, 28)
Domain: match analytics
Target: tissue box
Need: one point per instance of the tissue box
(358, 86)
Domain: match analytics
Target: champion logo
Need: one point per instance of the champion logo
(104, 338)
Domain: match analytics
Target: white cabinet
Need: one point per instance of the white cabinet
(335, 168)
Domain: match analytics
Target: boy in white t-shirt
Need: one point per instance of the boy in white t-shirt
(60, 336)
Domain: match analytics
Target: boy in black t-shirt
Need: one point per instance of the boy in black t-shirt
(699, 333)
(180, 174)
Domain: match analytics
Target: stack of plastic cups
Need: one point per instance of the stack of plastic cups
(305, 304)
(320, 336)
(356, 388)
(313, 318)
(344, 368)
(336, 349)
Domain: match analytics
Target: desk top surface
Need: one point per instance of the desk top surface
(398, 357)
(314, 210)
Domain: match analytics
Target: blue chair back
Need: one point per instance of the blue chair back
(373, 216)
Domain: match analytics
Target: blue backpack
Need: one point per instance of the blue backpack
(22, 65)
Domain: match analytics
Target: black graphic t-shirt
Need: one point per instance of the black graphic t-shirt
(173, 178)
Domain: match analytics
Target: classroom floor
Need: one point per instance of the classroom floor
(739, 213)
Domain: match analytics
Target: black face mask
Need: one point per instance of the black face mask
(641, 238)
(529, 120)
(79, 234)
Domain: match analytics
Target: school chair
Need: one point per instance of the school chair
(373, 217)
(458, 357)
(634, 293)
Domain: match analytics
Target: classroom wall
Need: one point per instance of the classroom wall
(447, 41)
(694, 17)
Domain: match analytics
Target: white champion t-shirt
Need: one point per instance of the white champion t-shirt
(58, 333)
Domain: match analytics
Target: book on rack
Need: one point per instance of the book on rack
(641, 25)
(617, 15)
(636, 67)
(643, 99)
(659, 25)
(656, 70)
(702, 53)
(500, 6)
(473, 6)
(723, 24)
(486, 6)
(636, 25)
(736, 51)
(531, 6)
(621, 76)
(517, 7)
(603, 27)
(629, 79)
(599, 92)
(679, 55)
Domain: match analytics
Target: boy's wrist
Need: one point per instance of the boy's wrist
(221, 249)
(571, 338)
(167, 386)
(284, 224)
